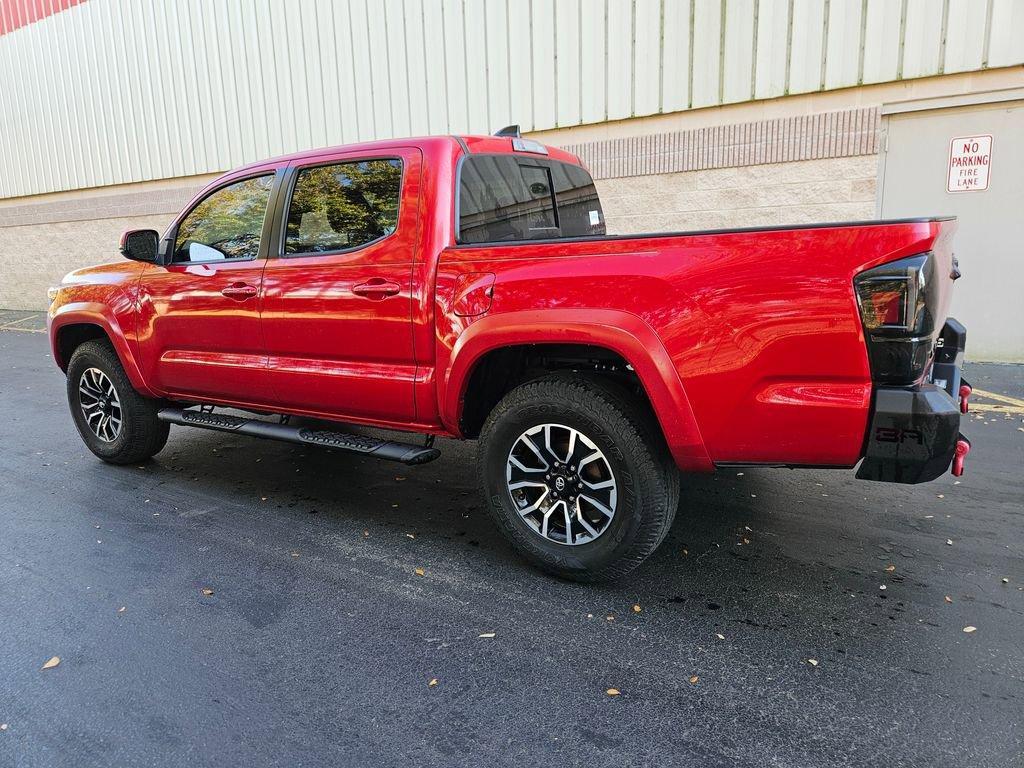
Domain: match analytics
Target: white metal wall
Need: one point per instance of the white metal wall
(115, 91)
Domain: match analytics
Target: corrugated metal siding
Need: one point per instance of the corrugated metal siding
(114, 91)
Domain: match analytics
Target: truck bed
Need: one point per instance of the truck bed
(759, 326)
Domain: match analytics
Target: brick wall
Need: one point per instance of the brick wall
(44, 238)
(835, 189)
(35, 256)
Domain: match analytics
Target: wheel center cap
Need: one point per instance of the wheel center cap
(560, 483)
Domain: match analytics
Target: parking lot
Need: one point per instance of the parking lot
(244, 602)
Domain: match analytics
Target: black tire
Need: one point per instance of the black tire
(622, 426)
(141, 433)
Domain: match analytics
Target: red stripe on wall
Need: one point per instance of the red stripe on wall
(15, 14)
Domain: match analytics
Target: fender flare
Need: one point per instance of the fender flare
(100, 315)
(624, 333)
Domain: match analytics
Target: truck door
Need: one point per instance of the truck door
(199, 322)
(337, 313)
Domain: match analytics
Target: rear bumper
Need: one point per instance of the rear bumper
(914, 431)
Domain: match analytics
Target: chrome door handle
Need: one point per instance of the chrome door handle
(377, 288)
(240, 291)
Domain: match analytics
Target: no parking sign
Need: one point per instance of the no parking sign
(970, 159)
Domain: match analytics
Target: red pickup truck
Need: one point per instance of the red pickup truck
(465, 286)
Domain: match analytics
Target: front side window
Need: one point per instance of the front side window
(343, 206)
(507, 198)
(227, 224)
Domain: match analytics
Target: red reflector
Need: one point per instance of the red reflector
(962, 449)
(883, 302)
(887, 307)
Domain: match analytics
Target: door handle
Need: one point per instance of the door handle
(376, 288)
(240, 291)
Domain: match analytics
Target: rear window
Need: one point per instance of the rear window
(507, 198)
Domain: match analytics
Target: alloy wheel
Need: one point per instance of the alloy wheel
(100, 404)
(562, 484)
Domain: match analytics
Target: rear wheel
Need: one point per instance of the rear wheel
(577, 476)
(117, 423)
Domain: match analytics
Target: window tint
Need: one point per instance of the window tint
(335, 207)
(502, 197)
(227, 224)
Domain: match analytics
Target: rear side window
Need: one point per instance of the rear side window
(507, 198)
(343, 206)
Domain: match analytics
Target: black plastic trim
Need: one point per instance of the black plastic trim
(304, 435)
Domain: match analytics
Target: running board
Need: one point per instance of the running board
(369, 446)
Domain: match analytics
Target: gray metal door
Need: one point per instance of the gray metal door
(989, 299)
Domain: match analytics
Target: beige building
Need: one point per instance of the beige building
(692, 114)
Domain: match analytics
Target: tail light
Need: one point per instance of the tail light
(898, 302)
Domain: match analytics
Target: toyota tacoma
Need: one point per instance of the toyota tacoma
(465, 286)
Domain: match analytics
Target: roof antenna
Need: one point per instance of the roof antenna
(510, 130)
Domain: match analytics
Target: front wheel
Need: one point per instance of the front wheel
(577, 476)
(117, 423)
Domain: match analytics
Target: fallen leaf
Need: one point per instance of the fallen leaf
(813, 662)
(613, 692)
(890, 568)
(968, 630)
(637, 609)
(410, 535)
(746, 541)
(207, 591)
(948, 599)
(694, 680)
(53, 662)
(486, 634)
(366, 533)
(610, 617)
(420, 572)
(432, 683)
(686, 552)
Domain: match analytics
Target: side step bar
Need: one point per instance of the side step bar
(369, 446)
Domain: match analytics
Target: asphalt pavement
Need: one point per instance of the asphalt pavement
(238, 602)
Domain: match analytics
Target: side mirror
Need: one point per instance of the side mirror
(140, 245)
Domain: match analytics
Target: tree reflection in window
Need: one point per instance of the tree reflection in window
(336, 207)
(227, 224)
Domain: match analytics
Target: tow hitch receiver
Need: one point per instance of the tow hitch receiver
(963, 447)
